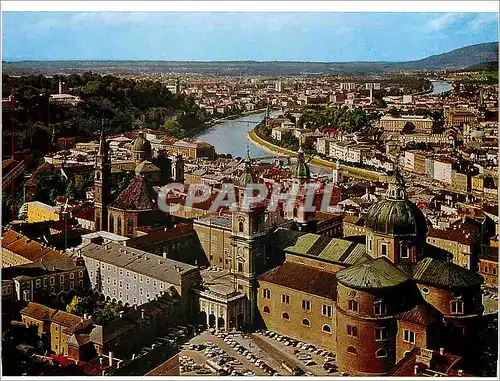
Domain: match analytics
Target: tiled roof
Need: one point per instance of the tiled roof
(453, 235)
(444, 273)
(38, 311)
(27, 248)
(138, 195)
(66, 319)
(86, 213)
(423, 314)
(303, 278)
(378, 273)
(444, 364)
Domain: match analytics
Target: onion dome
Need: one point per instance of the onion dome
(247, 176)
(300, 170)
(396, 215)
(372, 274)
(142, 145)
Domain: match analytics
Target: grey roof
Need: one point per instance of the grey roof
(141, 262)
(224, 221)
(375, 274)
(443, 273)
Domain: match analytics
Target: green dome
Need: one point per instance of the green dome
(141, 144)
(247, 177)
(396, 217)
(373, 274)
(301, 170)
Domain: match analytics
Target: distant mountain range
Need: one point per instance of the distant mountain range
(456, 59)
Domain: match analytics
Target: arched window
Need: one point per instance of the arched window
(285, 316)
(327, 328)
(306, 322)
(352, 350)
(130, 226)
(381, 353)
(240, 227)
(119, 226)
(267, 310)
(111, 224)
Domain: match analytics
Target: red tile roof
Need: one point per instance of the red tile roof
(86, 214)
(423, 314)
(453, 235)
(138, 195)
(27, 248)
(66, 319)
(303, 278)
(38, 311)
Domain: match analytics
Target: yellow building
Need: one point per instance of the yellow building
(214, 234)
(39, 212)
(300, 306)
(60, 331)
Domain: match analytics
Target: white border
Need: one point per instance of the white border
(253, 6)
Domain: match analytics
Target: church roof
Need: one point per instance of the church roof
(444, 273)
(375, 274)
(303, 278)
(146, 166)
(423, 314)
(138, 195)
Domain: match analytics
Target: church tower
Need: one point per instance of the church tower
(102, 184)
(178, 169)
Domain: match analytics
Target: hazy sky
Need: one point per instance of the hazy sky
(241, 36)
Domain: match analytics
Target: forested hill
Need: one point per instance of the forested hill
(119, 101)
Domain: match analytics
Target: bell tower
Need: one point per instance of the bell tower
(102, 184)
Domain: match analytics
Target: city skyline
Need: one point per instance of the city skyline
(183, 36)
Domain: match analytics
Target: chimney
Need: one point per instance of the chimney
(460, 372)
(165, 254)
(121, 314)
(135, 307)
(415, 370)
(85, 316)
(142, 313)
(441, 351)
(100, 360)
(133, 356)
(103, 373)
(110, 359)
(60, 87)
(159, 261)
(118, 363)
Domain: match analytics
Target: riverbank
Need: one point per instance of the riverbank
(317, 161)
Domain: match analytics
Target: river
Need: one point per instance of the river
(440, 87)
(231, 137)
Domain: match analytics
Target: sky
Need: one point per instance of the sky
(240, 36)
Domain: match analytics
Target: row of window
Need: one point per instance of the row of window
(380, 353)
(385, 249)
(493, 270)
(305, 322)
(326, 309)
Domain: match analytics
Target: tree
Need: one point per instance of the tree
(104, 315)
(173, 129)
(80, 305)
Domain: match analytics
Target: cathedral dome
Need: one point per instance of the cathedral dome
(141, 144)
(301, 170)
(396, 215)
